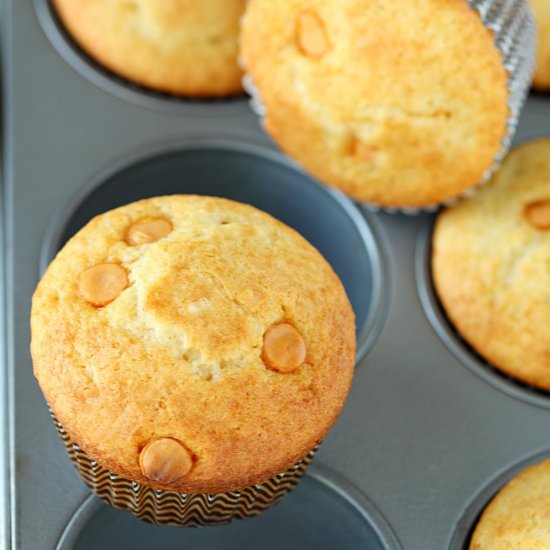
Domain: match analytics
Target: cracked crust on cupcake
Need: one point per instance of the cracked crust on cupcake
(491, 266)
(396, 103)
(182, 47)
(518, 518)
(193, 344)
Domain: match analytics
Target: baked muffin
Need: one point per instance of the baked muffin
(518, 518)
(178, 46)
(542, 16)
(398, 103)
(490, 266)
(192, 344)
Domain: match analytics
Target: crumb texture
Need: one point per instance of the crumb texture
(491, 266)
(177, 353)
(177, 46)
(518, 518)
(396, 103)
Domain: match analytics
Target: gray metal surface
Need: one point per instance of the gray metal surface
(423, 434)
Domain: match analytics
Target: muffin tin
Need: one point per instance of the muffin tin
(429, 432)
(324, 512)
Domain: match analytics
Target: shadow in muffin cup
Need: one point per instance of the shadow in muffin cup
(349, 241)
(324, 511)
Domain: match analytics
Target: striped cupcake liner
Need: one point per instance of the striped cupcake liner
(514, 30)
(161, 507)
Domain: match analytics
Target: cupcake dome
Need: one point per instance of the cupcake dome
(397, 103)
(490, 266)
(519, 516)
(192, 344)
(177, 46)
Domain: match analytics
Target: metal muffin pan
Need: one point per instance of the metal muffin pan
(422, 435)
(324, 511)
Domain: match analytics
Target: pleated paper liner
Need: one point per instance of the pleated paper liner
(179, 509)
(514, 31)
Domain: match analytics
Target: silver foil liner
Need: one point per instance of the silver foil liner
(514, 29)
(161, 507)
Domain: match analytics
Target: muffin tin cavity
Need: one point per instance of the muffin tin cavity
(453, 340)
(245, 173)
(324, 511)
(467, 523)
(123, 88)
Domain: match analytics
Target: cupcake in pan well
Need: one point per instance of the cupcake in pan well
(541, 9)
(400, 103)
(491, 258)
(518, 518)
(183, 47)
(192, 349)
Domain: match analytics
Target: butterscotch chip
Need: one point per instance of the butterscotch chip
(148, 230)
(538, 214)
(361, 151)
(101, 284)
(541, 9)
(284, 348)
(311, 35)
(165, 460)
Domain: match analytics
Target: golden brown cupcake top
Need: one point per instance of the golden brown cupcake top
(518, 518)
(396, 102)
(183, 47)
(491, 258)
(192, 343)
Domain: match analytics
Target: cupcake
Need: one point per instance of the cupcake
(541, 8)
(518, 518)
(176, 46)
(398, 103)
(194, 351)
(491, 256)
